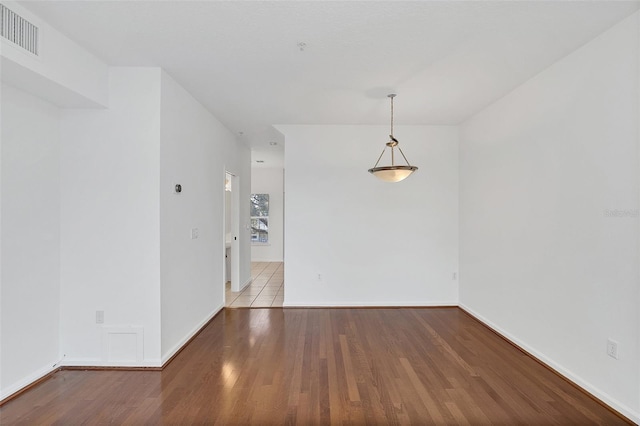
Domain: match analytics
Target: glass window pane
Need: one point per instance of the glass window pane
(260, 218)
(259, 204)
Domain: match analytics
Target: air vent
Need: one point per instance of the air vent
(18, 30)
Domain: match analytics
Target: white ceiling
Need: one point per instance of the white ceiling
(446, 60)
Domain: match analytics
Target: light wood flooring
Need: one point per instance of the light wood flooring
(265, 291)
(319, 367)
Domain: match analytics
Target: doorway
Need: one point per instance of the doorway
(231, 268)
(266, 289)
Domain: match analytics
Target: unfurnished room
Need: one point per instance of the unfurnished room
(320, 212)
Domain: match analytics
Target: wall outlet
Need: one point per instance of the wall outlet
(194, 233)
(319, 277)
(612, 348)
(455, 276)
(99, 317)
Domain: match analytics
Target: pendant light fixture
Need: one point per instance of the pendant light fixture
(392, 173)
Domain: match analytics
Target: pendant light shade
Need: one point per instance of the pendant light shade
(392, 173)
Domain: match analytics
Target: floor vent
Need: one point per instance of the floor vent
(18, 30)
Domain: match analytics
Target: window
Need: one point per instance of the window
(260, 218)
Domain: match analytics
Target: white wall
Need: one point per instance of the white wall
(126, 247)
(195, 150)
(540, 260)
(373, 243)
(30, 240)
(82, 211)
(270, 181)
(63, 72)
(240, 164)
(237, 161)
(110, 220)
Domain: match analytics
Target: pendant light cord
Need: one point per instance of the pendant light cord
(393, 159)
(391, 96)
(392, 173)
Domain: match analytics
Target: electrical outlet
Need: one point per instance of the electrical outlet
(612, 348)
(99, 317)
(319, 277)
(194, 233)
(455, 276)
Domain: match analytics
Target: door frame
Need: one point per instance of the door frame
(235, 231)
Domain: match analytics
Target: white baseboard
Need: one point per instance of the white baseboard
(246, 283)
(288, 304)
(267, 260)
(95, 362)
(166, 357)
(29, 380)
(602, 396)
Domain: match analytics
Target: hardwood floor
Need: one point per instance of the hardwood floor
(323, 366)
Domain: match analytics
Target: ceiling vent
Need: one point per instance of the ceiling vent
(18, 30)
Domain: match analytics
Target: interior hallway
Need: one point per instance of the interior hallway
(265, 291)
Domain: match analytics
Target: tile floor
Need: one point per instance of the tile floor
(265, 291)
